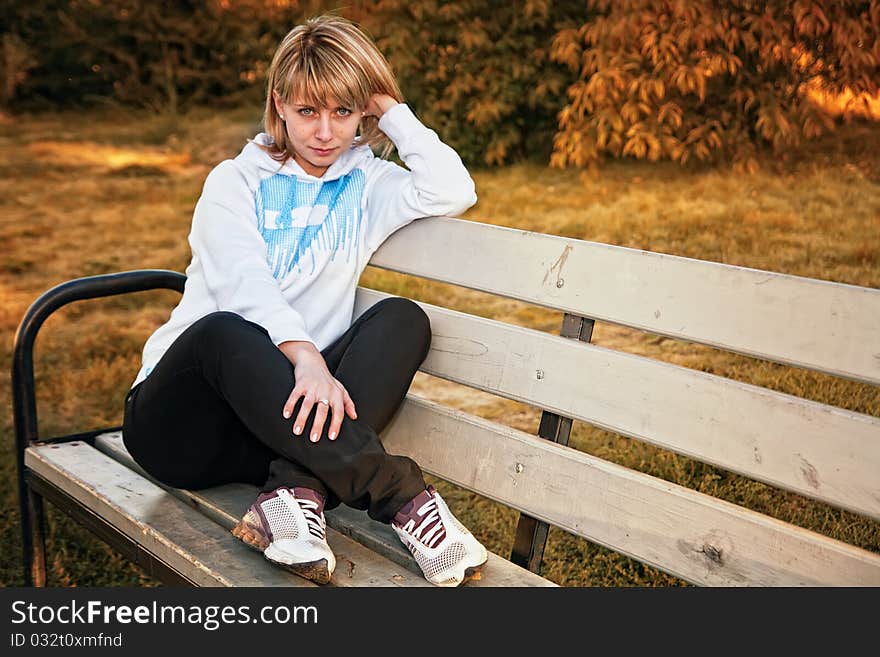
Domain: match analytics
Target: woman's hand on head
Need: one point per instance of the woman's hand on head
(314, 383)
(379, 104)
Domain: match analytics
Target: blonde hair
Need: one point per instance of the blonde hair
(323, 57)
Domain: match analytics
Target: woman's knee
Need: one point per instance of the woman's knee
(223, 323)
(217, 321)
(408, 318)
(230, 335)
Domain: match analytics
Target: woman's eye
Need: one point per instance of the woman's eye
(343, 111)
(306, 111)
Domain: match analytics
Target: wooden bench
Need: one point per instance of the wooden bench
(818, 451)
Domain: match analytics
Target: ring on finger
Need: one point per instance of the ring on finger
(326, 402)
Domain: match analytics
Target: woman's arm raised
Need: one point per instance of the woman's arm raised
(436, 184)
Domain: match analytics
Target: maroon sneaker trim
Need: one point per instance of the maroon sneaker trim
(267, 530)
(427, 529)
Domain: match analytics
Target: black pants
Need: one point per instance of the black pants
(210, 411)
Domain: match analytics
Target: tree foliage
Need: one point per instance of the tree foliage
(162, 54)
(480, 72)
(575, 81)
(695, 79)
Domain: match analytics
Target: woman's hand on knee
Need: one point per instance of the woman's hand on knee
(317, 386)
(339, 403)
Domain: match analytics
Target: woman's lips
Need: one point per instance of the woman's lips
(323, 151)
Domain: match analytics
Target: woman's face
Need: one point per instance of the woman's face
(319, 135)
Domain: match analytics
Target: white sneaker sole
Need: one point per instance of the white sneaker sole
(316, 571)
(468, 571)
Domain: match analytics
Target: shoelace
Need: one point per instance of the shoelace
(431, 530)
(314, 521)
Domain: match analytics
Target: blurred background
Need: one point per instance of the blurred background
(503, 81)
(743, 132)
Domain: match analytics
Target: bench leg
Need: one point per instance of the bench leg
(33, 538)
(531, 533)
(529, 543)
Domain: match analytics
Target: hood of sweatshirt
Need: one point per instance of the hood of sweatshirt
(253, 156)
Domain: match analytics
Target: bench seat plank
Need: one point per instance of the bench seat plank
(184, 539)
(225, 504)
(820, 451)
(191, 542)
(689, 534)
(829, 327)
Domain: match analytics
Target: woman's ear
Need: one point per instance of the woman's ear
(278, 108)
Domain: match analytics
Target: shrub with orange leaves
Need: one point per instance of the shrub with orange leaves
(706, 79)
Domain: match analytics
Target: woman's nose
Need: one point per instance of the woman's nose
(324, 133)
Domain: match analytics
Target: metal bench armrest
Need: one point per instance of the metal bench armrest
(89, 287)
(24, 399)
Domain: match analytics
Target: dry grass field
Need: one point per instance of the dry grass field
(85, 194)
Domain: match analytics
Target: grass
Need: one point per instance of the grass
(88, 194)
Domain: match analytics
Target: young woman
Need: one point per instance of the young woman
(260, 375)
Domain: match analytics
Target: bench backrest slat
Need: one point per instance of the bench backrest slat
(816, 450)
(829, 327)
(688, 534)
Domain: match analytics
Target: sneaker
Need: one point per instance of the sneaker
(445, 550)
(288, 527)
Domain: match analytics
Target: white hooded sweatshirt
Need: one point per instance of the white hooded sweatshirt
(285, 249)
